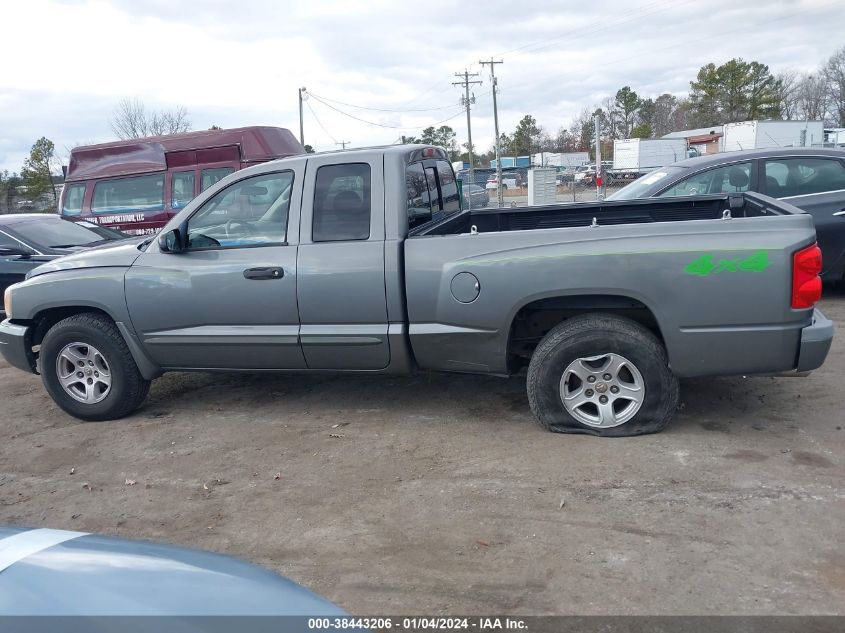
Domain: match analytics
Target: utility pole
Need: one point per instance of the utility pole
(301, 129)
(466, 101)
(495, 82)
(597, 124)
(343, 143)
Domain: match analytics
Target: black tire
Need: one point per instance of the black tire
(592, 335)
(128, 388)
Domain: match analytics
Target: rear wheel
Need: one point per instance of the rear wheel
(603, 375)
(88, 370)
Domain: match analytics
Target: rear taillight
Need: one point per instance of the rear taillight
(806, 283)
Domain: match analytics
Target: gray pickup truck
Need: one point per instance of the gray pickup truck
(364, 261)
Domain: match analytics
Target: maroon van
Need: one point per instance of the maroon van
(137, 185)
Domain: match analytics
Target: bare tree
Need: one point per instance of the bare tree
(811, 98)
(833, 73)
(786, 92)
(131, 119)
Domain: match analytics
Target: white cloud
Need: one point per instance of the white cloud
(241, 63)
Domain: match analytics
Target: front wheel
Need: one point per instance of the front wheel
(602, 375)
(89, 371)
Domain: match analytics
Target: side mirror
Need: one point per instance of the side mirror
(171, 242)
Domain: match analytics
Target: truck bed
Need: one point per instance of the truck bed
(604, 213)
(715, 291)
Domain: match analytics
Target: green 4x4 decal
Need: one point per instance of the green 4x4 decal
(706, 265)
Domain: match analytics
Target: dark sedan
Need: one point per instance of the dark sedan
(475, 197)
(28, 240)
(810, 179)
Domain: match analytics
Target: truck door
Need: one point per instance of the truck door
(341, 285)
(228, 301)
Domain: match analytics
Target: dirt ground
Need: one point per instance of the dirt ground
(439, 494)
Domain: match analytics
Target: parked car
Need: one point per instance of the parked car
(475, 197)
(137, 185)
(510, 180)
(337, 261)
(810, 179)
(29, 240)
(46, 572)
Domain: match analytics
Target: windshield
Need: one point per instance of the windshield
(55, 233)
(646, 186)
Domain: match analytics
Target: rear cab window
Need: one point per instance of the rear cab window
(432, 192)
(342, 205)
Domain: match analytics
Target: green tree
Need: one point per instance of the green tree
(37, 169)
(309, 149)
(627, 103)
(408, 140)
(735, 91)
(643, 130)
(525, 136)
(444, 137)
(705, 97)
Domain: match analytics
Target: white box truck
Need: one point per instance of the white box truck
(639, 155)
(567, 160)
(764, 134)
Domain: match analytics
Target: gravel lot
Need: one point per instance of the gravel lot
(439, 494)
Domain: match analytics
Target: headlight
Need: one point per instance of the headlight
(7, 302)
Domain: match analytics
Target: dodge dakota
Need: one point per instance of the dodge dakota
(364, 261)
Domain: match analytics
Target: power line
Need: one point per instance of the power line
(384, 125)
(317, 119)
(360, 107)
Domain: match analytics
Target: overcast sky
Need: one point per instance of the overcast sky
(68, 62)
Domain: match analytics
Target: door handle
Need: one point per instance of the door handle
(840, 213)
(266, 272)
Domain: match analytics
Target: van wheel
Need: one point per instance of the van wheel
(88, 370)
(602, 375)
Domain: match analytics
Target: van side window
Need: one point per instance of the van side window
(73, 199)
(341, 203)
(419, 201)
(139, 193)
(213, 176)
(181, 189)
(250, 212)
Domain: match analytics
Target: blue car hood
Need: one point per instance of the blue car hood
(56, 572)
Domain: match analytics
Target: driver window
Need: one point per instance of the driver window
(251, 212)
(727, 179)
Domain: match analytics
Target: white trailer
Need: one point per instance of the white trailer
(765, 134)
(638, 155)
(567, 160)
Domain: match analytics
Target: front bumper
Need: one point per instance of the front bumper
(815, 342)
(16, 345)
